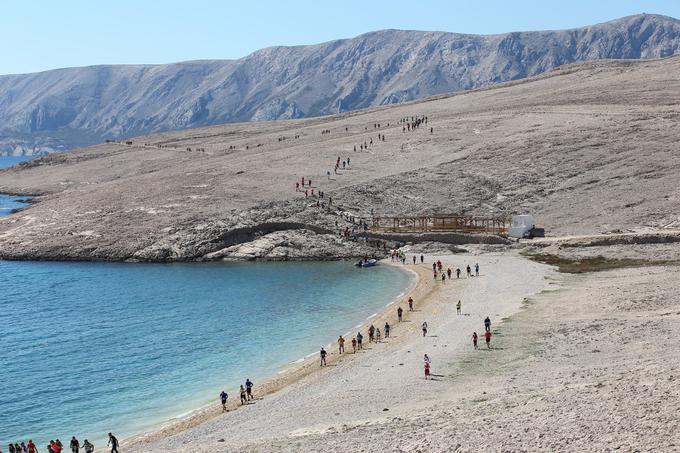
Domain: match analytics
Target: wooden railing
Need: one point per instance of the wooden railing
(441, 223)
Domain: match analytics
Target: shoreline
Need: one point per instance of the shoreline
(290, 373)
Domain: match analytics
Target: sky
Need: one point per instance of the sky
(37, 35)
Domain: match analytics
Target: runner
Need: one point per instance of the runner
(377, 335)
(443, 277)
(387, 330)
(422, 258)
(322, 356)
(249, 389)
(341, 345)
(360, 340)
(33, 449)
(223, 398)
(244, 398)
(371, 333)
(424, 328)
(75, 445)
(458, 273)
(474, 340)
(113, 442)
(458, 306)
(400, 312)
(426, 359)
(414, 259)
(410, 304)
(487, 324)
(487, 336)
(469, 271)
(427, 370)
(477, 269)
(354, 345)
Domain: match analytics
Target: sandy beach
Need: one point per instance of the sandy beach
(383, 383)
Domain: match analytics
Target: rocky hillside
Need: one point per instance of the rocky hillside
(66, 108)
(587, 148)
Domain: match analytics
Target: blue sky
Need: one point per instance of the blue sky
(45, 34)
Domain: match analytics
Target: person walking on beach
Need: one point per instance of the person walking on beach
(60, 446)
(427, 370)
(371, 333)
(443, 277)
(322, 356)
(457, 272)
(487, 324)
(434, 267)
(426, 359)
(474, 340)
(414, 259)
(410, 304)
(448, 273)
(31, 448)
(341, 345)
(458, 306)
(113, 442)
(249, 389)
(477, 269)
(87, 445)
(377, 335)
(75, 445)
(360, 340)
(422, 258)
(223, 399)
(469, 271)
(354, 345)
(387, 330)
(424, 328)
(487, 336)
(400, 312)
(244, 398)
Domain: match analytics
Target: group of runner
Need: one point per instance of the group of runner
(56, 446)
(245, 392)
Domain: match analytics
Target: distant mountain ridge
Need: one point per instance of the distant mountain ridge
(67, 108)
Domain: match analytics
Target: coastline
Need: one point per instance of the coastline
(311, 400)
(289, 374)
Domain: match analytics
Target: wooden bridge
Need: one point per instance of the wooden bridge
(442, 223)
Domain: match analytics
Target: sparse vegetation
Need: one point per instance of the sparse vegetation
(593, 264)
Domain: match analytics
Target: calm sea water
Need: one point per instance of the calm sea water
(88, 348)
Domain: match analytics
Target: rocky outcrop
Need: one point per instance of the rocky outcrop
(67, 108)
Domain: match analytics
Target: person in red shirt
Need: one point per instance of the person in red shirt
(427, 370)
(487, 336)
(31, 446)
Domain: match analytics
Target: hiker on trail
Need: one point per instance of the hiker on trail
(448, 273)
(474, 340)
(322, 356)
(426, 366)
(469, 271)
(360, 340)
(422, 258)
(244, 398)
(424, 328)
(371, 333)
(223, 399)
(74, 444)
(487, 324)
(354, 345)
(457, 272)
(113, 442)
(487, 336)
(477, 269)
(387, 330)
(410, 304)
(399, 313)
(377, 335)
(249, 389)
(341, 345)
(458, 305)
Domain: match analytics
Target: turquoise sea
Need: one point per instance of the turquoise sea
(88, 348)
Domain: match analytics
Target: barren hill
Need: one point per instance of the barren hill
(585, 148)
(68, 108)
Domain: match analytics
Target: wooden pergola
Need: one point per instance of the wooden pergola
(442, 223)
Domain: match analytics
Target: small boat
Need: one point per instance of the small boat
(367, 263)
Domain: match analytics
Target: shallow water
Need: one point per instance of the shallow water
(9, 202)
(91, 347)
